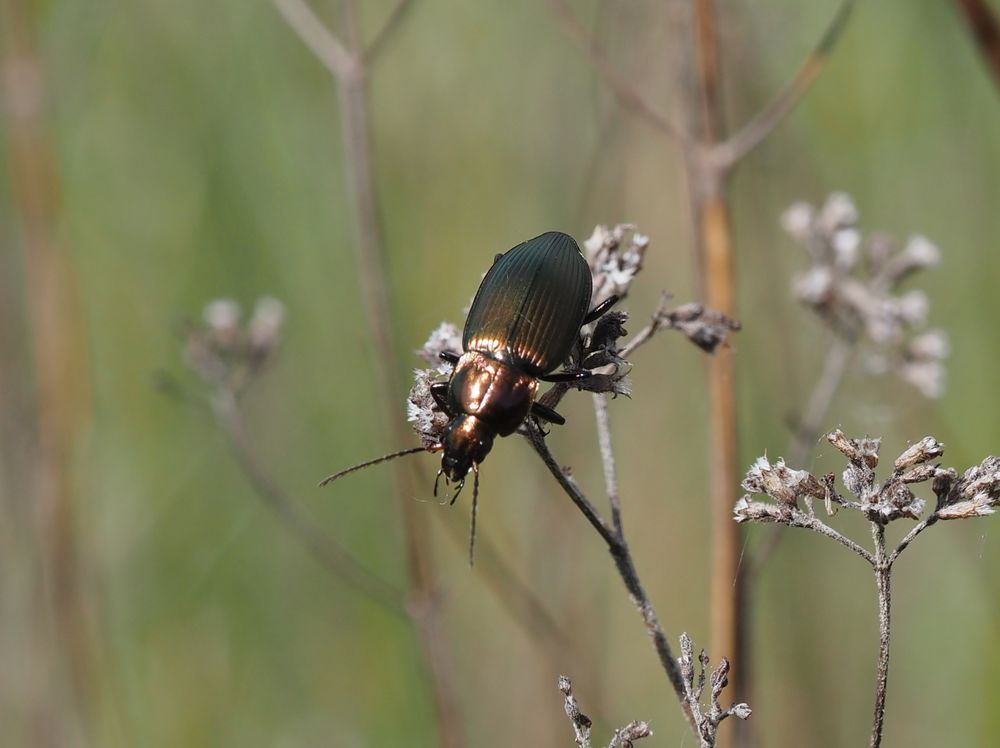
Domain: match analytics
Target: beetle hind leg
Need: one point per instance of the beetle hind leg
(545, 413)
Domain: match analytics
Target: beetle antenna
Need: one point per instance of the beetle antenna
(369, 463)
(475, 504)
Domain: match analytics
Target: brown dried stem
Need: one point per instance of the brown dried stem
(63, 685)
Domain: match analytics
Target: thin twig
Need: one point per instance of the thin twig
(537, 441)
(628, 97)
(911, 536)
(883, 571)
(733, 150)
(325, 548)
(659, 321)
(623, 563)
(797, 518)
(392, 23)
(608, 461)
(327, 48)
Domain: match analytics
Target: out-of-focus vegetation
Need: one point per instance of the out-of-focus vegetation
(197, 152)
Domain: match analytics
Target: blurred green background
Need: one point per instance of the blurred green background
(198, 155)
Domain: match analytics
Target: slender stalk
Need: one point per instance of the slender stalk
(618, 547)
(345, 61)
(628, 97)
(708, 186)
(323, 547)
(739, 145)
(883, 572)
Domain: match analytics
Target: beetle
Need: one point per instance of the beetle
(522, 325)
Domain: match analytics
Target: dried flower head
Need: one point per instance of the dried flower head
(615, 256)
(975, 494)
(853, 283)
(225, 352)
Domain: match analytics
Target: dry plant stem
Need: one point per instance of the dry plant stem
(325, 548)
(54, 325)
(883, 571)
(623, 563)
(708, 189)
(608, 461)
(388, 29)
(754, 132)
(985, 28)
(345, 61)
(628, 97)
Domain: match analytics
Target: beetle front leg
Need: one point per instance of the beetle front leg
(439, 391)
(567, 376)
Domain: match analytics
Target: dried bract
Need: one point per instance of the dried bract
(706, 328)
(926, 449)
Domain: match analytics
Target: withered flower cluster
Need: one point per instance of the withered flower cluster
(975, 494)
(707, 719)
(853, 284)
(224, 351)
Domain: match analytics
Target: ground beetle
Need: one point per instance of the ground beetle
(522, 325)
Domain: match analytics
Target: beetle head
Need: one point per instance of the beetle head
(466, 441)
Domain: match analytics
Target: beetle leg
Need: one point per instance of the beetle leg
(451, 358)
(439, 391)
(598, 311)
(546, 413)
(496, 257)
(574, 375)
